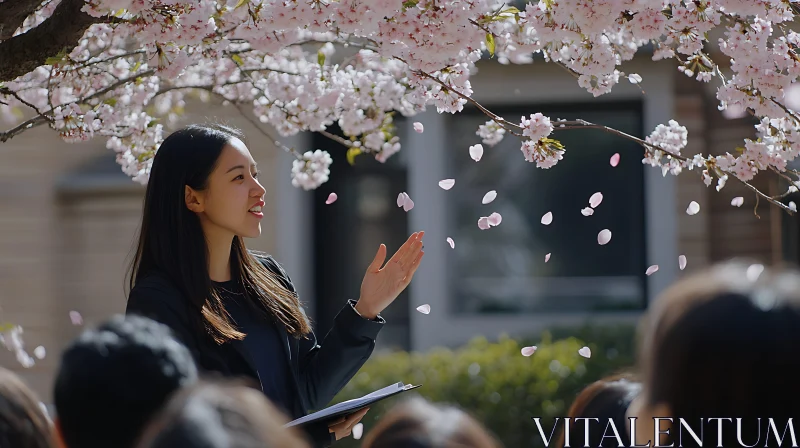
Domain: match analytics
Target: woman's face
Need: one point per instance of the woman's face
(231, 204)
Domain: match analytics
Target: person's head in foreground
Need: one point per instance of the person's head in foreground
(220, 415)
(416, 423)
(606, 399)
(23, 422)
(721, 344)
(114, 378)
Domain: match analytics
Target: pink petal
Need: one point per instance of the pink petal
(489, 197)
(418, 127)
(76, 318)
(693, 208)
(495, 219)
(39, 352)
(424, 309)
(401, 199)
(528, 351)
(547, 258)
(447, 184)
(596, 199)
(615, 159)
(604, 237)
(651, 270)
(737, 201)
(358, 431)
(682, 262)
(476, 152)
(586, 352)
(451, 243)
(547, 218)
(588, 211)
(331, 198)
(483, 223)
(408, 204)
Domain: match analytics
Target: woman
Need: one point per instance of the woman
(238, 311)
(717, 347)
(603, 401)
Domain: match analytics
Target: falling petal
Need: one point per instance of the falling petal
(495, 219)
(547, 219)
(547, 258)
(451, 243)
(401, 198)
(476, 152)
(528, 351)
(634, 78)
(737, 201)
(682, 262)
(754, 271)
(792, 206)
(447, 184)
(76, 318)
(615, 159)
(331, 198)
(604, 237)
(489, 197)
(358, 429)
(418, 127)
(39, 352)
(408, 204)
(693, 208)
(651, 270)
(483, 223)
(588, 211)
(424, 309)
(596, 199)
(586, 352)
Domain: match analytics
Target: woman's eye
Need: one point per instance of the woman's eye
(239, 177)
(255, 175)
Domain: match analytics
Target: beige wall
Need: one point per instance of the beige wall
(62, 251)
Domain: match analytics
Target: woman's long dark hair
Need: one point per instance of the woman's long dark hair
(171, 239)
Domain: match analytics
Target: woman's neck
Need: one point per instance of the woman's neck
(219, 257)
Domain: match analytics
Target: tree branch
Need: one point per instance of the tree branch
(22, 53)
(13, 13)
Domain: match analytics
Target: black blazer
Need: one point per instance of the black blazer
(319, 371)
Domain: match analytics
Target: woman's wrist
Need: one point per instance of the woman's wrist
(363, 311)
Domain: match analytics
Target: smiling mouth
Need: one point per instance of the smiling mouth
(256, 211)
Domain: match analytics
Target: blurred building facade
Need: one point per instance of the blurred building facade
(69, 217)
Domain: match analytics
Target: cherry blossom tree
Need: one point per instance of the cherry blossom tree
(122, 70)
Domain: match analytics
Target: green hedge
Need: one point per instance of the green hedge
(495, 383)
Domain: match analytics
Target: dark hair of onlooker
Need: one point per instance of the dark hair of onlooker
(23, 422)
(220, 415)
(416, 423)
(114, 378)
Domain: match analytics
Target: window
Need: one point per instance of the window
(503, 269)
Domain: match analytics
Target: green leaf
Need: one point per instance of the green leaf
(320, 58)
(55, 60)
(490, 43)
(137, 66)
(351, 155)
(240, 4)
(238, 59)
(410, 3)
(111, 102)
(511, 10)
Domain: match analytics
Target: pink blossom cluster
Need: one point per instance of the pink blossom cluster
(307, 65)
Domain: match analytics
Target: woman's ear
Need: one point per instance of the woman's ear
(193, 200)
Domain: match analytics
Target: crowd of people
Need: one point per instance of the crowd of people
(719, 344)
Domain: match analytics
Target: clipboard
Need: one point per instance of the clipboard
(351, 406)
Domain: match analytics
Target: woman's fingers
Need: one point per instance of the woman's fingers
(398, 256)
(411, 254)
(344, 427)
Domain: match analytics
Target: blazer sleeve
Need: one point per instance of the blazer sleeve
(156, 299)
(324, 369)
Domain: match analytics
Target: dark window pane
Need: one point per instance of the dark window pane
(503, 269)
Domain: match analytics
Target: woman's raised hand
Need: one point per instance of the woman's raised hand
(382, 285)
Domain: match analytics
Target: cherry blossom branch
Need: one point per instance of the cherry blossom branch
(275, 142)
(13, 14)
(337, 138)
